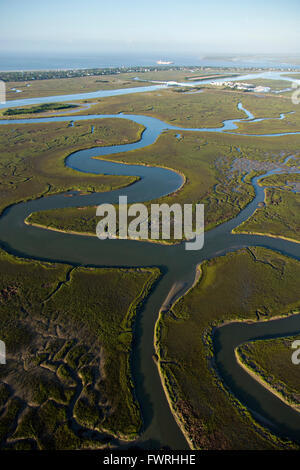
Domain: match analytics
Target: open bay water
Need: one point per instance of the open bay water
(19, 62)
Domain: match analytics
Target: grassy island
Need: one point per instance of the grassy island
(67, 383)
(232, 287)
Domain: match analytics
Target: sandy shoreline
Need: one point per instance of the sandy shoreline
(113, 160)
(282, 237)
(263, 382)
(170, 403)
(90, 234)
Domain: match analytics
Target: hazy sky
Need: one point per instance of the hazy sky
(192, 27)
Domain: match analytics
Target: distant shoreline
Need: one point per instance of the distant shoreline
(11, 63)
(282, 237)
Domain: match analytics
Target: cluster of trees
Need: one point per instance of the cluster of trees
(46, 74)
(38, 109)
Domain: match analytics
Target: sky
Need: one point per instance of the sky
(192, 27)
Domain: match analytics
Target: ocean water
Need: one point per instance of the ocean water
(20, 62)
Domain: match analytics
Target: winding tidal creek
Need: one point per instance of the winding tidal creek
(178, 268)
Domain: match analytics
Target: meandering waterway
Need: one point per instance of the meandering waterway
(178, 267)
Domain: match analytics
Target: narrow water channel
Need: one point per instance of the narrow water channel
(177, 265)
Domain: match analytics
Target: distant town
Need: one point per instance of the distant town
(243, 86)
(27, 75)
